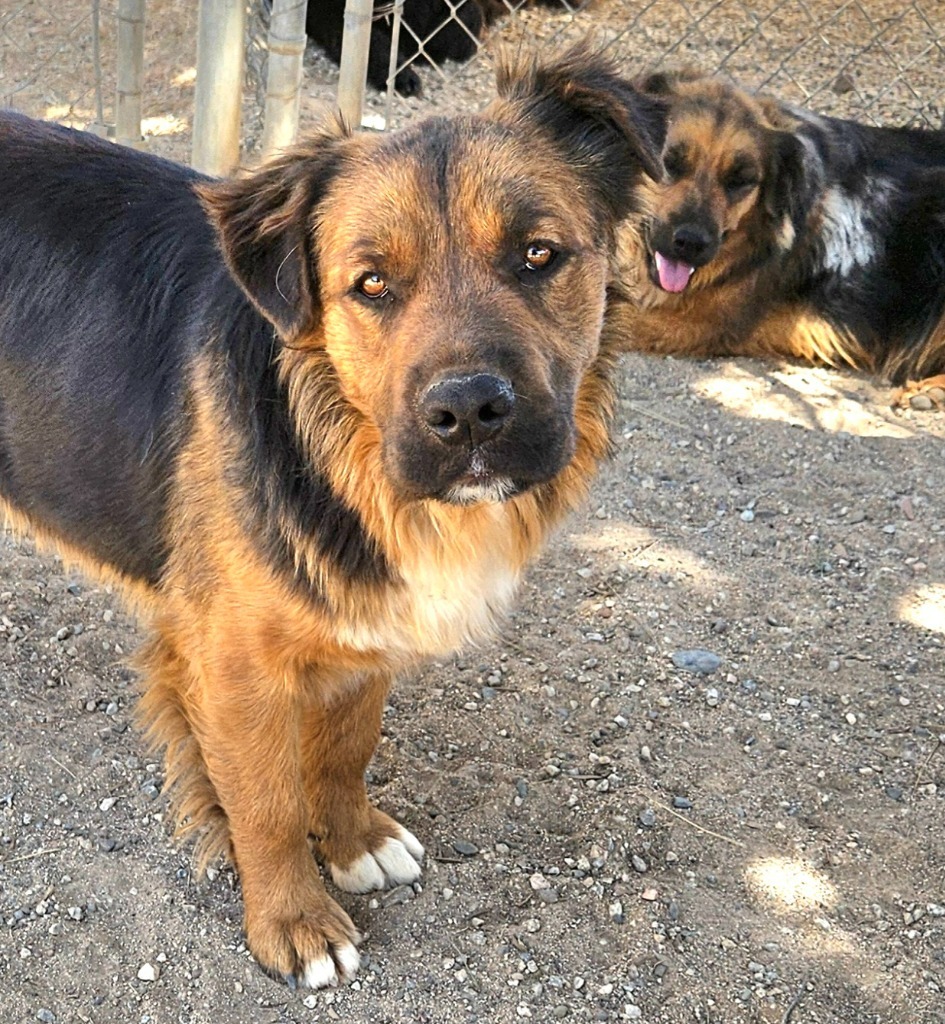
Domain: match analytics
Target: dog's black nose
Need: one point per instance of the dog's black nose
(468, 409)
(691, 243)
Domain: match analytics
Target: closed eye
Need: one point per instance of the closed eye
(675, 163)
(740, 180)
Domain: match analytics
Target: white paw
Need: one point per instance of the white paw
(330, 970)
(394, 862)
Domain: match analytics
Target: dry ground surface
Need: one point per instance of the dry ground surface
(611, 836)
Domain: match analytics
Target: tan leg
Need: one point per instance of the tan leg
(363, 848)
(249, 736)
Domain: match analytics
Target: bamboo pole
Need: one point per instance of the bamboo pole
(284, 76)
(219, 89)
(130, 72)
(355, 45)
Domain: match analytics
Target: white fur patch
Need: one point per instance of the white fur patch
(786, 233)
(849, 240)
(327, 970)
(448, 599)
(413, 844)
(494, 492)
(394, 862)
(349, 960)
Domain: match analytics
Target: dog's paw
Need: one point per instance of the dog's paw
(313, 949)
(395, 860)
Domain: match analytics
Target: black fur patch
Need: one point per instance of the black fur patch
(111, 282)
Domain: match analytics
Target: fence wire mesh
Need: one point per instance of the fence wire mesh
(881, 61)
(59, 62)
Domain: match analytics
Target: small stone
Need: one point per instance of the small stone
(639, 864)
(616, 912)
(538, 882)
(649, 894)
(46, 1016)
(748, 516)
(148, 972)
(921, 402)
(682, 803)
(647, 817)
(696, 660)
(645, 754)
(712, 697)
(66, 632)
(108, 803)
(532, 925)
(465, 849)
(843, 83)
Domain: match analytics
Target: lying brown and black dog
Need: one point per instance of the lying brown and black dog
(774, 231)
(314, 422)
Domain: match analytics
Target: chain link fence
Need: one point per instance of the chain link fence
(880, 61)
(59, 62)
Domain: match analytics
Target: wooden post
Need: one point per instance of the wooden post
(355, 45)
(219, 88)
(130, 72)
(284, 76)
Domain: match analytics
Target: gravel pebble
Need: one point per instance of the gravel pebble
(696, 660)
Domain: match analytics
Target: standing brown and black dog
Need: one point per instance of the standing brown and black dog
(775, 231)
(315, 422)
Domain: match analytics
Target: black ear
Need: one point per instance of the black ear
(790, 177)
(606, 126)
(665, 83)
(265, 224)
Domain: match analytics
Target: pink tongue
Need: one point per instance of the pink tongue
(673, 274)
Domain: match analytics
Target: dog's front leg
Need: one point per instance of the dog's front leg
(250, 739)
(364, 848)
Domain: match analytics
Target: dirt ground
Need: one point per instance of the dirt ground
(612, 836)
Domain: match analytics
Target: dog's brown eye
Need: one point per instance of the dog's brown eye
(372, 286)
(538, 256)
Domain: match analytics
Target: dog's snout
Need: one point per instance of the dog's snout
(691, 243)
(468, 409)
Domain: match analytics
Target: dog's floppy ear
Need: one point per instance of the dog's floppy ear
(789, 183)
(265, 224)
(605, 125)
(665, 83)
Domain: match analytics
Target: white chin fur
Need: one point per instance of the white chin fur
(492, 492)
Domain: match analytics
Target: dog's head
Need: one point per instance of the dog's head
(454, 273)
(731, 185)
